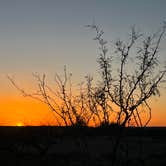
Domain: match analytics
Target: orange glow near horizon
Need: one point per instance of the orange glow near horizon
(22, 111)
(17, 111)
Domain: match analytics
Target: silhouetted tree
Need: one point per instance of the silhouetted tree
(60, 100)
(130, 76)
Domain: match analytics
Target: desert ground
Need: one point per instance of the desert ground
(67, 146)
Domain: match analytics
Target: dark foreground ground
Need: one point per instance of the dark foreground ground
(62, 146)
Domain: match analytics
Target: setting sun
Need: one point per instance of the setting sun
(19, 124)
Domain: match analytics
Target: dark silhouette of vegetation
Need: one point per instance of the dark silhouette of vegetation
(130, 75)
(127, 85)
(60, 101)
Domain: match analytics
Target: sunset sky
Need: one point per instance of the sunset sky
(44, 35)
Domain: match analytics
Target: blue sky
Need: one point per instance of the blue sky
(44, 35)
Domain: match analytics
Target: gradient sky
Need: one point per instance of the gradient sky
(44, 35)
